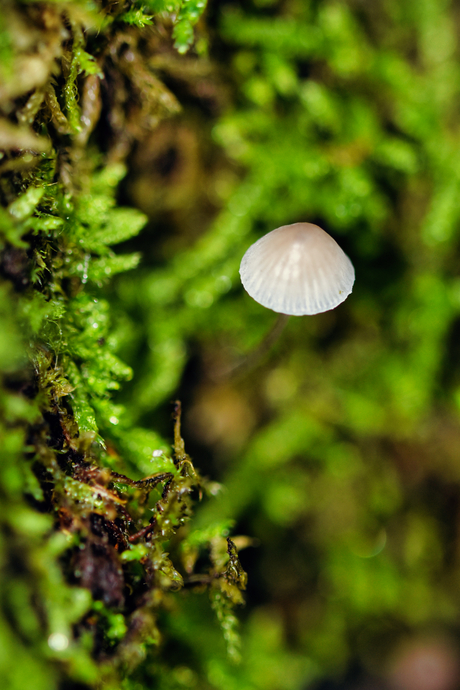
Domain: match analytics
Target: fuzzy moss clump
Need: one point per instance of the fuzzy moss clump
(91, 505)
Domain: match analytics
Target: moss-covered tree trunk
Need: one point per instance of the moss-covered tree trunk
(88, 502)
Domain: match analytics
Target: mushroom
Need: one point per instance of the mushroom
(297, 269)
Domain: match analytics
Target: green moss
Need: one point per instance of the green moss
(85, 570)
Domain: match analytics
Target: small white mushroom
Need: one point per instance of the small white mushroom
(297, 269)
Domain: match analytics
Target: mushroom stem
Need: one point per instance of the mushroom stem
(252, 359)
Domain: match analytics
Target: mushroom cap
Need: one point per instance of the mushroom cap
(297, 269)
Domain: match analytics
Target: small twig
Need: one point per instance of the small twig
(149, 482)
(142, 532)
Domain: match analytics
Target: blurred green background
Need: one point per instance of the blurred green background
(339, 452)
